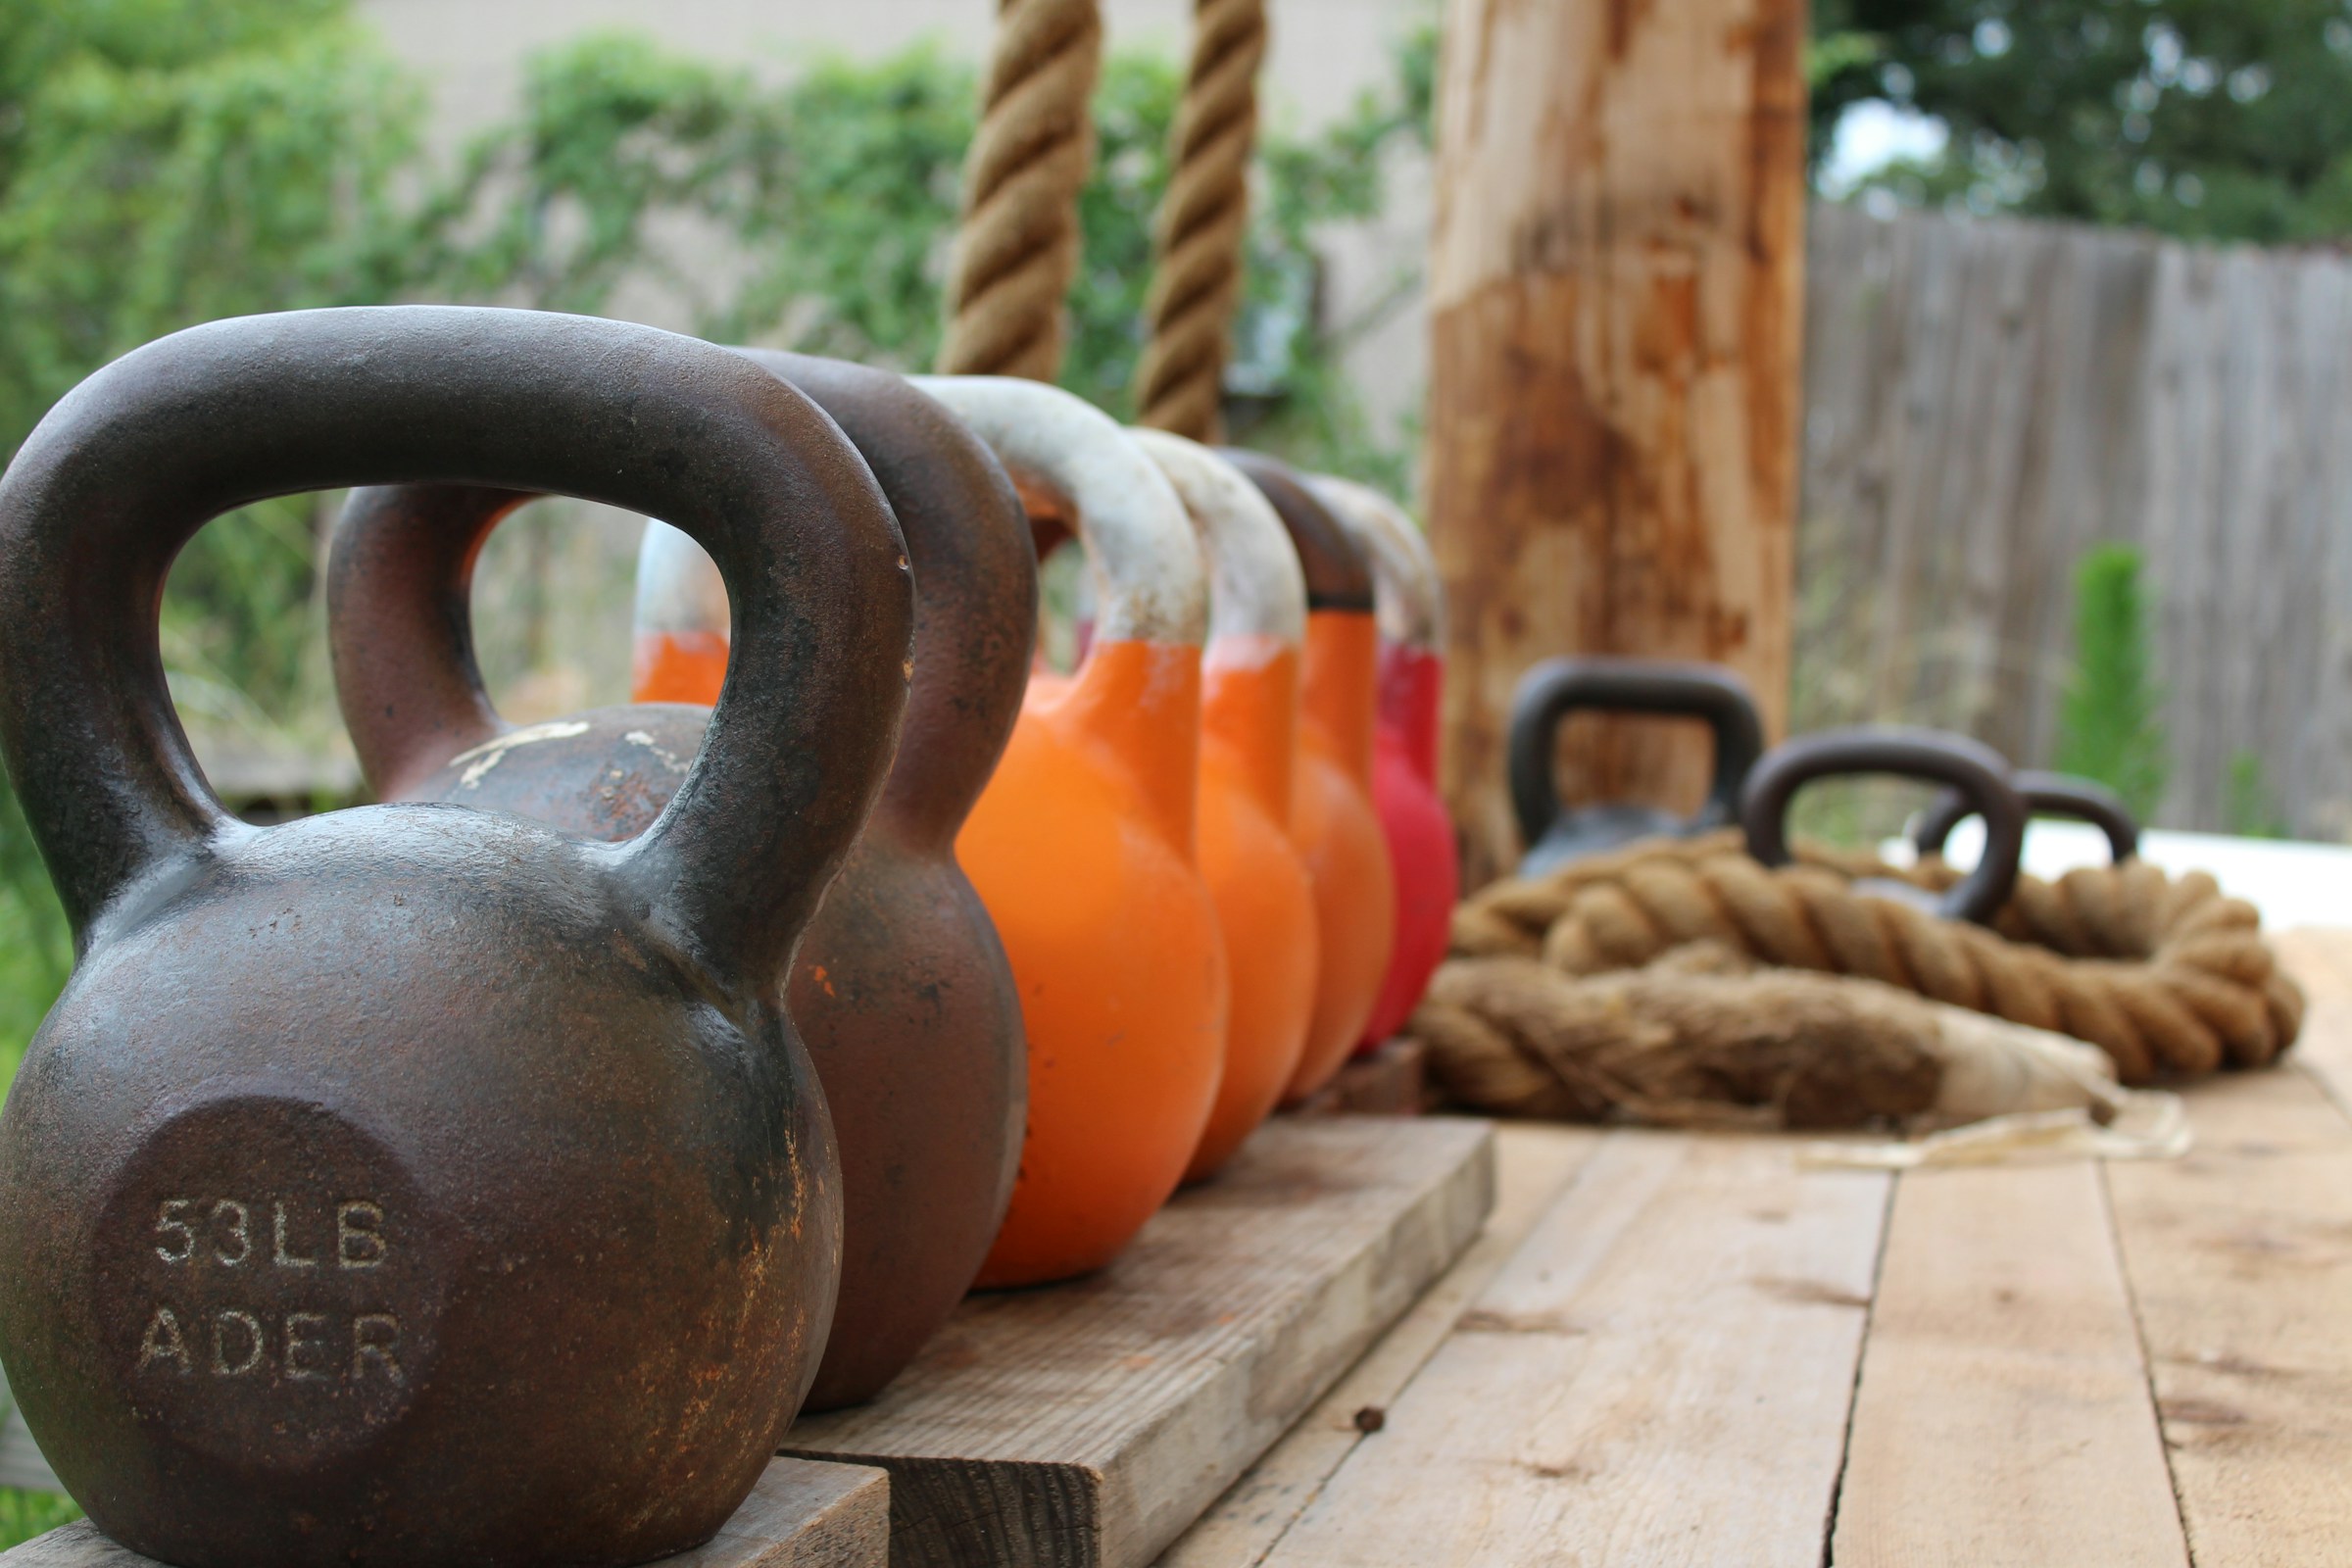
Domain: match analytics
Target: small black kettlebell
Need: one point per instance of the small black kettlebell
(1557, 688)
(2060, 795)
(415, 1185)
(1978, 772)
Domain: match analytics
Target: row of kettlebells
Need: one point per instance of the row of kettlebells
(1754, 788)
(490, 1175)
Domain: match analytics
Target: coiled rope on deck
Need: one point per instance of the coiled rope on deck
(1016, 244)
(2165, 974)
(1202, 223)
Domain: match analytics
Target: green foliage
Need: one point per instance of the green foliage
(2250, 807)
(2111, 728)
(27, 1514)
(2208, 118)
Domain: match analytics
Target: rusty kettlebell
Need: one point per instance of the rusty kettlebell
(1978, 772)
(1082, 847)
(1249, 756)
(1549, 691)
(899, 989)
(2061, 795)
(1337, 825)
(409, 1185)
(1409, 609)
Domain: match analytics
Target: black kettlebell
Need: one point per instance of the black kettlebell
(415, 1185)
(1978, 772)
(2061, 795)
(1552, 690)
(900, 988)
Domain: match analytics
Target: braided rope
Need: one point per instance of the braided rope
(1016, 246)
(1202, 222)
(2165, 974)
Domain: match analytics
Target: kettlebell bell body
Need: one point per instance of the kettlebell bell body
(411, 1185)
(1249, 750)
(1338, 826)
(900, 988)
(1552, 691)
(1082, 847)
(1410, 612)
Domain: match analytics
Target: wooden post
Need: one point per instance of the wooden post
(1616, 292)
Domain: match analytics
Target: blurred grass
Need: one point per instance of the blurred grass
(25, 1514)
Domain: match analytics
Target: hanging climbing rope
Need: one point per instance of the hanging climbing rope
(1017, 243)
(1198, 239)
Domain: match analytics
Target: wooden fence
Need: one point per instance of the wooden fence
(1988, 399)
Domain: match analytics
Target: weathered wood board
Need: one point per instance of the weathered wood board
(1090, 1423)
(1533, 1164)
(1388, 1081)
(2240, 1259)
(802, 1514)
(2003, 1414)
(1661, 1375)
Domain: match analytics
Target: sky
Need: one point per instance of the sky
(1874, 133)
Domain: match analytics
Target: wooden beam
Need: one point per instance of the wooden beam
(1660, 1375)
(1532, 1163)
(2003, 1414)
(1088, 1424)
(1616, 288)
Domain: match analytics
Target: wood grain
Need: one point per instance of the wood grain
(1091, 1423)
(1616, 287)
(799, 1515)
(1660, 1376)
(2003, 1418)
(2240, 1259)
(1533, 1164)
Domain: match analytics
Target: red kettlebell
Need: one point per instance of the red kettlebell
(1409, 606)
(901, 987)
(406, 1185)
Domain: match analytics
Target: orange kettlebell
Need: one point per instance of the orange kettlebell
(1411, 608)
(1083, 848)
(1249, 751)
(1337, 825)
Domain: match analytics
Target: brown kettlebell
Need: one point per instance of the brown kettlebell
(409, 1185)
(901, 989)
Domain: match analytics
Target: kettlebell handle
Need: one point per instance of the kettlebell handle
(2061, 795)
(1552, 690)
(127, 467)
(1339, 576)
(1978, 772)
(399, 592)
(1409, 601)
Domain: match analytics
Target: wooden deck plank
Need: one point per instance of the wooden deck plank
(2003, 1414)
(2321, 960)
(1532, 1163)
(2240, 1263)
(1093, 1422)
(1661, 1375)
